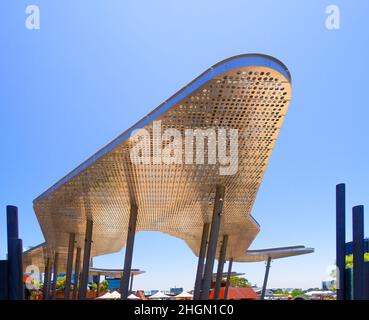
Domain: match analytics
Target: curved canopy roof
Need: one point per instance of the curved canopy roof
(112, 273)
(273, 253)
(250, 93)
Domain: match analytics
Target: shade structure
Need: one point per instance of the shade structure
(273, 253)
(112, 273)
(249, 93)
(133, 297)
(104, 296)
(115, 295)
(159, 295)
(319, 292)
(184, 294)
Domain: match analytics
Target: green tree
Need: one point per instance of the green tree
(280, 291)
(239, 282)
(60, 283)
(350, 260)
(104, 285)
(297, 293)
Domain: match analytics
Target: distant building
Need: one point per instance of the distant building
(150, 292)
(113, 283)
(175, 291)
(328, 284)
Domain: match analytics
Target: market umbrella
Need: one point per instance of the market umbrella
(159, 295)
(184, 294)
(105, 296)
(133, 297)
(115, 295)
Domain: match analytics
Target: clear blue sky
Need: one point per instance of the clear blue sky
(96, 67)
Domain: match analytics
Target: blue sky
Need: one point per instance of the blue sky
(96, 67)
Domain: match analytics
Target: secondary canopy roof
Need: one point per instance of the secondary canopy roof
(273, 253)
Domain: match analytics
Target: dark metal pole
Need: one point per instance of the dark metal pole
(4, 280)
(76, 273)
(46, 279)
(15, 252)
(358, 251)
(341, 241)
(131, 284)
(68, 278)
(48, 287)
(213, 239)
(86, 261)
(12, 222)
(228, 278)
(219, 277)
(55, 274)
(124, 283)
(98, 285)
(265, 278)
(366, 281)
(200, 263)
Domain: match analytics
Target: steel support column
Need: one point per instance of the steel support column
(45, 288)
(228, 278)
(131, 284)
(219, 277)
(200, 263)
(213, 239)
(265, 278)
(98, 285)
(341, 241)
(68, 278)
(366, 281)
(49, 284)
(76, 273)
(358, 251)
(124, 283)
(86, 261)
(55, 274)
(15, 252)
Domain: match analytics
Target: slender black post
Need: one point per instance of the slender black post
(228, 279)
(98, 285)
(124, 284)
(219, 276)
(68, 278)
(76, 273)
(48, 287)
(366, 280)
(265, 278)
(131, 284)
(213, 239)
(15, 252)
(341, 241)
(86, 261)
(55, 275)
(358, 251)
(4, 280)
(200, 263)
(45, 289)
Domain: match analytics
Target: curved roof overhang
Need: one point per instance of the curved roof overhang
(273, 253)
(250, 93)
